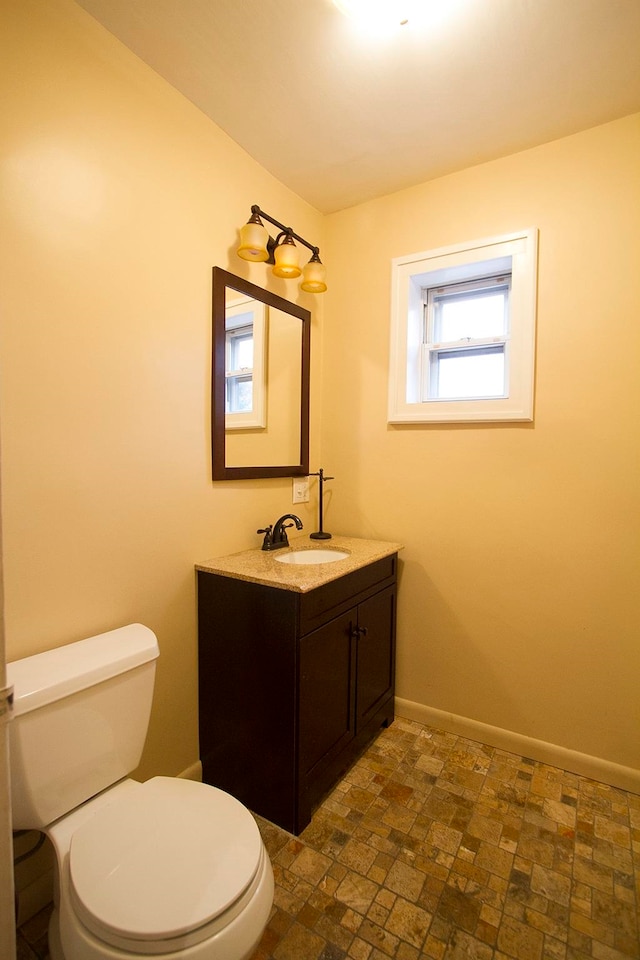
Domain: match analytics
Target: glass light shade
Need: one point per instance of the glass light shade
(253, 242)
(286, 257)
(313, 277)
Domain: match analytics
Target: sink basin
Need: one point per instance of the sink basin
(312, 556)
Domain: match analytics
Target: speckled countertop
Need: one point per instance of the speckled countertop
(261, 566)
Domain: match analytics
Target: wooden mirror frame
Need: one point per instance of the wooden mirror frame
(221, 280)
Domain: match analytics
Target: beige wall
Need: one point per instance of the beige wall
(519, 583)
(519, 595)
(119, 197)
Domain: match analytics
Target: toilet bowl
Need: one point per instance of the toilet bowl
(167, 868)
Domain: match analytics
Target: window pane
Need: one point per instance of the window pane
(465, 374)
(474, 315)
(242, 352)
(239, 395)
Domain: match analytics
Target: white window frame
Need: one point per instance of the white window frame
(235, 316)
(515, 253)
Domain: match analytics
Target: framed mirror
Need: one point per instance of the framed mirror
(260, 382)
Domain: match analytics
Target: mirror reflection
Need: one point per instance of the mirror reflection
(263, 378)
(260, 407)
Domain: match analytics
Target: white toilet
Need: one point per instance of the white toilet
(168, 868)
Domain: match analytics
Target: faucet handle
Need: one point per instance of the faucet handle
(266, 543)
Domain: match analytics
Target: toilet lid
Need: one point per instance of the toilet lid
(163, 860)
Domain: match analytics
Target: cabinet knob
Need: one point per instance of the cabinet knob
(358, 632)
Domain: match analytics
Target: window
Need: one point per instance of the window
(245, 344)
(239, 370)
(463, 328)
(466, 331)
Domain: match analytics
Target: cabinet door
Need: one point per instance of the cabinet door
(327, 688)
(376, 653)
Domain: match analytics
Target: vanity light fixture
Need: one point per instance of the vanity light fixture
(256, 245)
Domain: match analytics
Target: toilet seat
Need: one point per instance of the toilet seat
(164, 866)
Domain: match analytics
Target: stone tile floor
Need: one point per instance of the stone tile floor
(434, 846)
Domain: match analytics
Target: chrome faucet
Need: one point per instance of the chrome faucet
(276, 536)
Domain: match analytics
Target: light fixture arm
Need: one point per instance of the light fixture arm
(285, 232)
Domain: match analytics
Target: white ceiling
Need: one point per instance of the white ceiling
(341, 117)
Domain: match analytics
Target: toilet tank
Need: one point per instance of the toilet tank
(80, 720)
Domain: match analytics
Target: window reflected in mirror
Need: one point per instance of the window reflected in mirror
(245, 363)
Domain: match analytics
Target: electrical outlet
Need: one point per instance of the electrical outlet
(300, 490)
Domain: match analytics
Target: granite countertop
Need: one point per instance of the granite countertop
(261, 566)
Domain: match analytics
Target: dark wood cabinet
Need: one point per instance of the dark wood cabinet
(293, 686)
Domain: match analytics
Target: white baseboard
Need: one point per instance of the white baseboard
(194, 772)
(616, 775)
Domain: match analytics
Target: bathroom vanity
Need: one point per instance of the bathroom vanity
(296, 671)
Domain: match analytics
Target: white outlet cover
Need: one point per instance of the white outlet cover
(300, 490)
